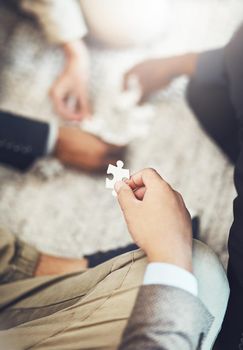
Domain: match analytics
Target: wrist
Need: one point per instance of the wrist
(59, 141)
(53, 265)
(178, 257)
(183, 65)
(190, 64)
(74, 49)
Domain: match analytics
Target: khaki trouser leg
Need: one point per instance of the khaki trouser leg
(84, 311)
(89, 310)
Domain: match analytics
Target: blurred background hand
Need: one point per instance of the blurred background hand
(157, 218)
(158, 73)
(52, 265)
(85, 151)
(70, 92)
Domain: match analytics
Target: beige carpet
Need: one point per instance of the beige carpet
(66, 212)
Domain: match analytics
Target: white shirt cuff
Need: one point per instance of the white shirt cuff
(170, 275)
(52, 137)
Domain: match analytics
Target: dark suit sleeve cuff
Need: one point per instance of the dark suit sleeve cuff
(22, 140)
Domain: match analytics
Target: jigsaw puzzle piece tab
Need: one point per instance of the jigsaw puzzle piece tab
(118, 175)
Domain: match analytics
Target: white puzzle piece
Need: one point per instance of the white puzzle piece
(118, 175)
(120, 106)
(125, 100)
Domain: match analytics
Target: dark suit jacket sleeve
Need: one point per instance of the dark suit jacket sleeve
(22, 140)
(166, 318)
(211, 68)
(225, 67)
(233, 325)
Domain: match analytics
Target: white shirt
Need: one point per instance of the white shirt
(170, 275)
(67, 20)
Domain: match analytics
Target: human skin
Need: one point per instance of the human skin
(70, 91)
(158, 73)
(85, 151)
(157, 218)
(52, 265)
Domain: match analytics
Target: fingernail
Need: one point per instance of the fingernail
(118, 185)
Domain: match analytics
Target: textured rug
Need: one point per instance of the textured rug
(67, 212)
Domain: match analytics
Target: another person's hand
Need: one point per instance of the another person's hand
(70, 92)
(51, 265)
(157, 218)
(85, 151)
(156, 74)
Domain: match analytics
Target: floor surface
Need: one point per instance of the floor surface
(63, 211)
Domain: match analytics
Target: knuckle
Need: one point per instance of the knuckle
(179, 200)
(179, 196)
(167, 190)
(167, 186)
(150, 171)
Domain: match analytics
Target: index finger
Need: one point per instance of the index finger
(146, 177)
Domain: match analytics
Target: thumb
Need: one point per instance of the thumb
(125, 195)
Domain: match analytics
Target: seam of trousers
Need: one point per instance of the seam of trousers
(87, 316)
